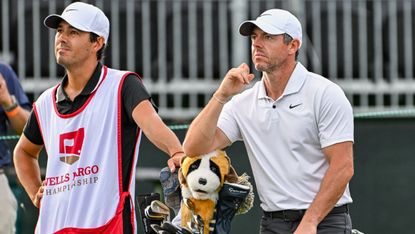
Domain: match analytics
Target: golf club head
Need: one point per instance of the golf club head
(153, 215)
(161, 208)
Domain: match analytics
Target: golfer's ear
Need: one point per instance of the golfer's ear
(294, 46)
(100, 43)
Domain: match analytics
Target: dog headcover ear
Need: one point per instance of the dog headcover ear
(182, 178)
(232, 176)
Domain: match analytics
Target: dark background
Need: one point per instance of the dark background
(382, 187)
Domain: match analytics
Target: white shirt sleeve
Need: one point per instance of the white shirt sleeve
(228, 123)
(335, 118)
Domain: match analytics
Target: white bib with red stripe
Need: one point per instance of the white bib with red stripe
(83, 184)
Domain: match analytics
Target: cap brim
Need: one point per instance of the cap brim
(246, 28)
(52, 21)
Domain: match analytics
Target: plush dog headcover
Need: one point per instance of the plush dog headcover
(201, 178)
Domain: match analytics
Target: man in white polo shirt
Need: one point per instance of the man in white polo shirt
(297, 128)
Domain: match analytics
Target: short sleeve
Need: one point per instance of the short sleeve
(228, 122)
(133, 92)
(32, 130)
(335, 118)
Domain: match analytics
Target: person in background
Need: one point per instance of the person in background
(14, 111)
(90, 125)
(297, 128)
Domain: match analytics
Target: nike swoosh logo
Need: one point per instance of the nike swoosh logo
(294, 106)
(71, 10)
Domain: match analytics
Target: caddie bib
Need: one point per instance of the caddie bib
(83, 183)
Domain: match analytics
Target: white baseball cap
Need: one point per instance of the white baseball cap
(83, 16)
(274, 22)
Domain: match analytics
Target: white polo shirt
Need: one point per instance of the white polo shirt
(284, 138)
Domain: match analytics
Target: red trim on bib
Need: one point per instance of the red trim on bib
(55, 107)
(113, 226)
(119, 131)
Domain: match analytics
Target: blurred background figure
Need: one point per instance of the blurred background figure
(14, 112)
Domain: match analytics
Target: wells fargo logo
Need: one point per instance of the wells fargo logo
(70, 146)
(80, 177)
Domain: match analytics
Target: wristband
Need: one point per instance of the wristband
(12, 106)
(218, 100)
(13, 112)
(181, 151)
